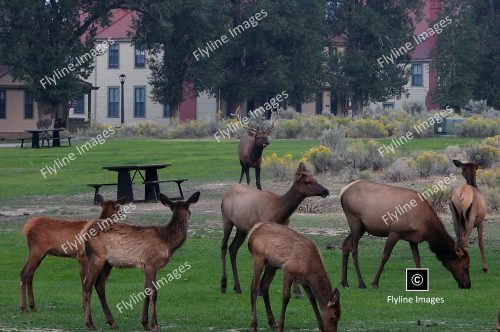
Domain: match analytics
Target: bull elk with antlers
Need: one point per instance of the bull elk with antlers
(251, 146)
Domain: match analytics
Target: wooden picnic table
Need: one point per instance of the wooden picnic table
(124, 186)
(35, 136)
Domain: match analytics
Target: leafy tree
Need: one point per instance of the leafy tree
(40, 37)
(467, 54)
(370, 29)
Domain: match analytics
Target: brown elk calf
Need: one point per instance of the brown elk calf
(365, 204)
(275, 246)
(243, 206)
(252, 144)
(148, 248)
(468, 209)
(48, 236)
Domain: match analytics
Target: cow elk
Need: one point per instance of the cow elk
(252, 144)
(244, 206)
(275, 246)
(148, 248)
(366, 204)
(468, 209)
(48, 236)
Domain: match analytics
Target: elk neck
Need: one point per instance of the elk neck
(321, 287)
(174, 234)
(289, 202)
(470, 179)
(440, 242)
(256, 152)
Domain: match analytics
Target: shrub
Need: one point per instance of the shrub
(481, 154)
(190, 129)
(488, 178)
(492, 198)
(479, 127)
(492, 141)
(289, 128)
(477, 106)
(335, 138)
(429, 163)
(374, 159)
(453, 152)
(438, 199)
(413, 107)
(366, 128)
(279, 168)
(319, 157)
(313, 126)
(357, 155)
(401, 170)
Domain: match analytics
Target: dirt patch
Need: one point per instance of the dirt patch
(21, 212)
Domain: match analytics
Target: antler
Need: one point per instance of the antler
(274, 117)
(237, 115)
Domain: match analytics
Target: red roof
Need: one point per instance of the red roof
(121, 24)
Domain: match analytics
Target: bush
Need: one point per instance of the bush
(279, 168)
(366, 128)
(492, 141)
(479, 127)
(289, 128)
(190, 129)
(438, 199)
(430, 163)
(401, 170)
(413, 107)
(453, 152)
(481, 154)
(477, 106)
(488, 178)
(319, 157)
(145, 129)
(492, 198)
(335, 138)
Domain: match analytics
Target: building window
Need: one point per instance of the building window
(113, 102)
(78, 106)
(2, 104)
(140, 58)
(166, 111)
(28, 105)
(139, 105)
(114, 56)
(416, 75)
(388, 106)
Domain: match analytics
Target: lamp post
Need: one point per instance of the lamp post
(122, 81)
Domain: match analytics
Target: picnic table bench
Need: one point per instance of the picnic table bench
(58, 139)
(177, 181)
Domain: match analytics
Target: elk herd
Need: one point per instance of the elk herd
(263, 217)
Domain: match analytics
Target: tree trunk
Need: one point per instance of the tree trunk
(357, 105)
(46, 113)
(175, 115)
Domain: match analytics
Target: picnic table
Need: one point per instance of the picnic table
(35, 136)
(150, 180)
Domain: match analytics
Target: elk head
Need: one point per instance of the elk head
(331, 314)
(468, 171)
(307, 184)
(180, 207)
(459, 266)
(261, 137)
(109, 208)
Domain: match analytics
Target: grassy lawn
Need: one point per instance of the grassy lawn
(194, 302)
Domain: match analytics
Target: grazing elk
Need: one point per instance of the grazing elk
(275, 246)
(252, 144)
(366, 204)
(47, 236)
(148, 248)
(468, 209)
(244, 206)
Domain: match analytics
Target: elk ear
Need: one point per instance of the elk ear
(457, 163)
(459, 249)
(166, 201)
(335, 298)
(99, 199)
(302, 167)
(193, 199)
(122, 200)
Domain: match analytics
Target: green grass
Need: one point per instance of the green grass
(201, 161)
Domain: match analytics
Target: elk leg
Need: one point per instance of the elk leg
(228, 227)
(346, 250)
(83, 265)
(242, 171)
(357, 233)
(389, 245)
(27, 274)
(257, 178)
(314, 304)
(153, 321)
(145, 307)
(258, 266)
(238, 240)
(296, 290)
(415, 253)
(95, 268)
(265, 283)
(481, 247)
(247, 173)
(100, 288)
(456, 221)
(287, 284)
(469, 225)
